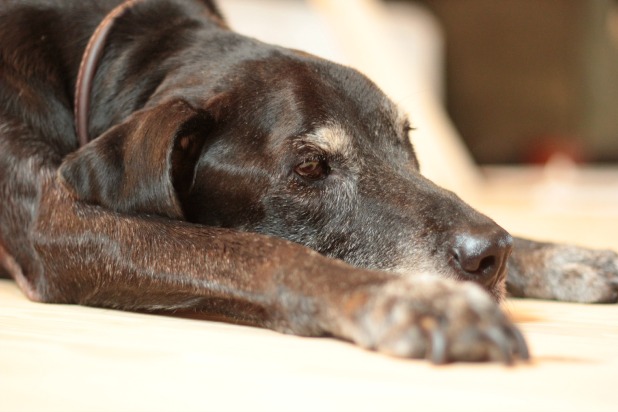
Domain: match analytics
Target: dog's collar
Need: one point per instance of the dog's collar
(88, 68)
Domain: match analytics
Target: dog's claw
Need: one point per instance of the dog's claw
(499, 337)
(438, 346)
(520, 343)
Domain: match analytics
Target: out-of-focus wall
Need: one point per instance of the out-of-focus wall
(528, 78)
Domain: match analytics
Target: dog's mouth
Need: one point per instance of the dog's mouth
(495, 286)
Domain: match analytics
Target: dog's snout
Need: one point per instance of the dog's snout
(480, 255)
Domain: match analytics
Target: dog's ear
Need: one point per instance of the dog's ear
(140, 165)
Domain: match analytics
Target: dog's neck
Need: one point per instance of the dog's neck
(88, 68)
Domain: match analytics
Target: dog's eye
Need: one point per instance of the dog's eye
(314, 169)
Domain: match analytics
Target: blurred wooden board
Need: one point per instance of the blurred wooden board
(559, 202)
(71, 358)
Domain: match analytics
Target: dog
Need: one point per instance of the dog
(211, 172)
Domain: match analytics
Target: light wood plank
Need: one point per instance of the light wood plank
(71, 358)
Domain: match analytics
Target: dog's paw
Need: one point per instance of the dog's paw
(433, 318)
(582, 275)
(564, 272)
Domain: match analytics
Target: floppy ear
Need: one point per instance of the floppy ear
(140, 165)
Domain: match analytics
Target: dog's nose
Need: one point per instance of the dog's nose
(480, 255)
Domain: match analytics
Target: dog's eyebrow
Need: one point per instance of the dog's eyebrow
(331, 138)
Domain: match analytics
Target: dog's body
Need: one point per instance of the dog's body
(221, 165)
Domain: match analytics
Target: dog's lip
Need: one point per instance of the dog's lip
(496, 286)
(497, 293)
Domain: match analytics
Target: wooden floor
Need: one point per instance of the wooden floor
(69, 358)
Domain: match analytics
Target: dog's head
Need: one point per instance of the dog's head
(291, 146)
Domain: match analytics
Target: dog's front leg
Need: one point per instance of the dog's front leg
(562, 272)
(95, 257)
(92, 256)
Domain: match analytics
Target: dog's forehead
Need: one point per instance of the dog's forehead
(309, 100)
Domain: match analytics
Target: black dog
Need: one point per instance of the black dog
(221, 165)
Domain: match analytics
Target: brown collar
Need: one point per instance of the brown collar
(88, 68)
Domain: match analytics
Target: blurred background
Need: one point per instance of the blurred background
(515, 102)
(527, 79)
